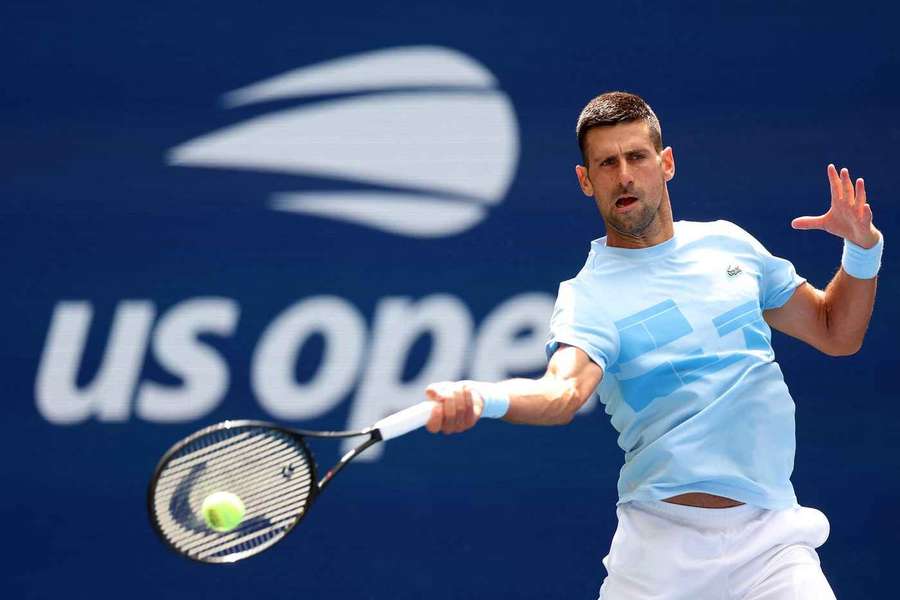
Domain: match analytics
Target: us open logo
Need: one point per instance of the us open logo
(426, 132)
(423, 144)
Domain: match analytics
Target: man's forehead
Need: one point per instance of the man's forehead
(613, 138)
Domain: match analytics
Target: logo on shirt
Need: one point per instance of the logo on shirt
(733, 270)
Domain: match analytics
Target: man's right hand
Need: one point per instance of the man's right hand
(553, 399)
(458, 406)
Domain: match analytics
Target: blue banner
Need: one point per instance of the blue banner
(305, 213)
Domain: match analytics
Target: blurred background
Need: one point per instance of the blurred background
(305, 212)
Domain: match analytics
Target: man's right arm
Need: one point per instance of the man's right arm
(553, 399)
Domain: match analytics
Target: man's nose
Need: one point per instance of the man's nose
(625, 177)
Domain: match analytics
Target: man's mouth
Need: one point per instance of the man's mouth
(625, 201)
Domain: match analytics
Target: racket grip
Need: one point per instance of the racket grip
(406, 420)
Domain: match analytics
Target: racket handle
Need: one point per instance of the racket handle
(406, 420)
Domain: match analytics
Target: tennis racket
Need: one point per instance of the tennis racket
(269, 467)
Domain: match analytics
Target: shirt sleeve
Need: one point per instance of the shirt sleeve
(578, 321)
(779, 278)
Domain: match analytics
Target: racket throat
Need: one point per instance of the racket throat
(375, 437)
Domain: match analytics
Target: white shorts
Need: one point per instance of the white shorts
(664, 551)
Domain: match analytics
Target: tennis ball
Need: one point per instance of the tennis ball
(222, 511)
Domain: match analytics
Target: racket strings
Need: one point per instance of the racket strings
(268, 469)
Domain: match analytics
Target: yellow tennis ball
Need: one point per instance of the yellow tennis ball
(223, 511)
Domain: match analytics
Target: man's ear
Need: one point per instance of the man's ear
(583, 181)
(668, 162)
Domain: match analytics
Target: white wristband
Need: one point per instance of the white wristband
(496, 401)
(862, 263)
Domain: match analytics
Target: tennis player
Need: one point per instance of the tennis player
(669, 324)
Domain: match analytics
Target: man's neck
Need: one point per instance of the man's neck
(660, 230)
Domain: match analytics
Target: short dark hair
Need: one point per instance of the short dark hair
(613, 108)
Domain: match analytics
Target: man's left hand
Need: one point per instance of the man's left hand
(849, 217)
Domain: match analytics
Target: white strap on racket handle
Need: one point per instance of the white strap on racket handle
(406, 420)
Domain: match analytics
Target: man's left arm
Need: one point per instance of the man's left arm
(835, 320)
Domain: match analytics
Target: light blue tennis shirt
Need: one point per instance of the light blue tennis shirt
(690, 379)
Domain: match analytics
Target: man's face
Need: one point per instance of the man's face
(625, 175)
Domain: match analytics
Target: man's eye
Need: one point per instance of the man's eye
(637, 156)
(608, 162)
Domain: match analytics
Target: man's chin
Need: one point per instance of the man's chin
(632, 225)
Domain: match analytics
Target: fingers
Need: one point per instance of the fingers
(450, 410)
(809, 222)
(849, 197)
(455, 410)
(845, 191)
(849, 217)
(861, 197)
(841, 186)
(437, 392)
(436, 419)
(834, 182)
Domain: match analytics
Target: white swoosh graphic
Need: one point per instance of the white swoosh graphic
(409, 66)
(404, 214)
(461, 140)
(453, 142)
